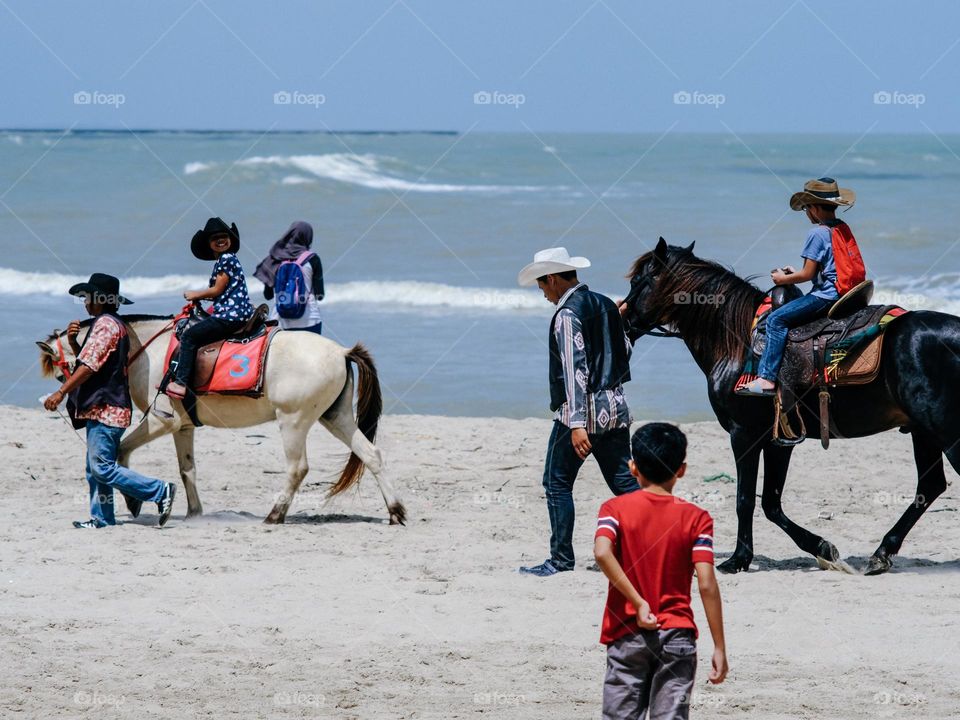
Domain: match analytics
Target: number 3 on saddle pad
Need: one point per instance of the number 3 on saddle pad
(242, 367)
(237, 367)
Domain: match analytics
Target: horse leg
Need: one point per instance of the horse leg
(776, 461)
(293, 432)
(149, 429)
(339, 421)
(746, 453)
(931, 482)
(183, 441)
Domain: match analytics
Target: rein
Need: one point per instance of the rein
(184, 312)
(61, 361)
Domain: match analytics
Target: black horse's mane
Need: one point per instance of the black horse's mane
(717, 320)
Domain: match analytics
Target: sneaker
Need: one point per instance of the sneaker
(165, 506)
(90, 524)
(545, 569)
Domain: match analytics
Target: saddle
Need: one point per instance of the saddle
(834, 351)
(233, 366)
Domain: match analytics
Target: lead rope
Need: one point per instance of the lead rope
(65, 419)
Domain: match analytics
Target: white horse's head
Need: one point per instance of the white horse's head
(56, 356)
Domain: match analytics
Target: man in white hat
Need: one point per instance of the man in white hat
(589, 362)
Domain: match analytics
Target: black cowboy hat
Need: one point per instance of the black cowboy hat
(101, 288)
(200, 245)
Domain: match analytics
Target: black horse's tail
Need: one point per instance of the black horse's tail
(369, 409)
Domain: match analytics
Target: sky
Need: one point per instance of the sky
(496, 65)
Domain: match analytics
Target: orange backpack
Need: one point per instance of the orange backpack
(846, 256)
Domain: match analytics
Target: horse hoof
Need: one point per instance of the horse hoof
(274, 518)
(878, 565)
(398, 514)
(734, 565)
(191, 514)
(828, 558)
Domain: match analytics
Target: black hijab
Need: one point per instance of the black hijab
(296, 241)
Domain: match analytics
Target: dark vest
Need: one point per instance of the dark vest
(606, 346)
(109, 384)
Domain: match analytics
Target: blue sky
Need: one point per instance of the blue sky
(546, 65)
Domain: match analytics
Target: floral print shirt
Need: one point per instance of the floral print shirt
(104, 336)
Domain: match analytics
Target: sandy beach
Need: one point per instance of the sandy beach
(337, 614)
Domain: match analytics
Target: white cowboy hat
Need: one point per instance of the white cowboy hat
(549, 262)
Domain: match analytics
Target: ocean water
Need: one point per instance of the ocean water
(422, 236)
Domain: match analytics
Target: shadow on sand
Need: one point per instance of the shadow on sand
(857, 562)
(233, 517)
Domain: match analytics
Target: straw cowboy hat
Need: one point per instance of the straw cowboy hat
(549, 262)
(822, 192)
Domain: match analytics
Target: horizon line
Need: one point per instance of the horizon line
(301, 131)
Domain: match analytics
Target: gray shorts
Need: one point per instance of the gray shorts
(650, 669)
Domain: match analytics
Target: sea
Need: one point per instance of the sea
(422, 235)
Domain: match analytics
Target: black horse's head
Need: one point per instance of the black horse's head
(699, 300)
(645, 313)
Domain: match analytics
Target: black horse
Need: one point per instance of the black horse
(712, 310)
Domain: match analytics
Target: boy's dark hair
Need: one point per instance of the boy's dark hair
(658, 450)
(566, 275)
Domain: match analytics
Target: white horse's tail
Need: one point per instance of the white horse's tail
(369, 409)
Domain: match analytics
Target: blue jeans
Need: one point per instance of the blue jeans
(103, 474)
(793, 314)
(612, 451)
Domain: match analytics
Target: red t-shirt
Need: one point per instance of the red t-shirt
(657, 539)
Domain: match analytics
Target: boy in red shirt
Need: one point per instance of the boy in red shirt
(648, 544)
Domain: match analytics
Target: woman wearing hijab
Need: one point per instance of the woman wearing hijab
(294, 246)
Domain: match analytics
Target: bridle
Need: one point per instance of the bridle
(635, 330)
(61, 361)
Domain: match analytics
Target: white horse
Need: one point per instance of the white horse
(307, 378)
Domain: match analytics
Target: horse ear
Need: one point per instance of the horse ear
(660, 252)
(45, 348)
(689, 248)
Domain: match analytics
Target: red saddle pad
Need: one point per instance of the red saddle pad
(239, 366)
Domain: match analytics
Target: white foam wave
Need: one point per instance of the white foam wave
(414, 294)
(930, 292)
(297, 180)
(366, 171)
(195, 167)
(400, 294)
(16, 282)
